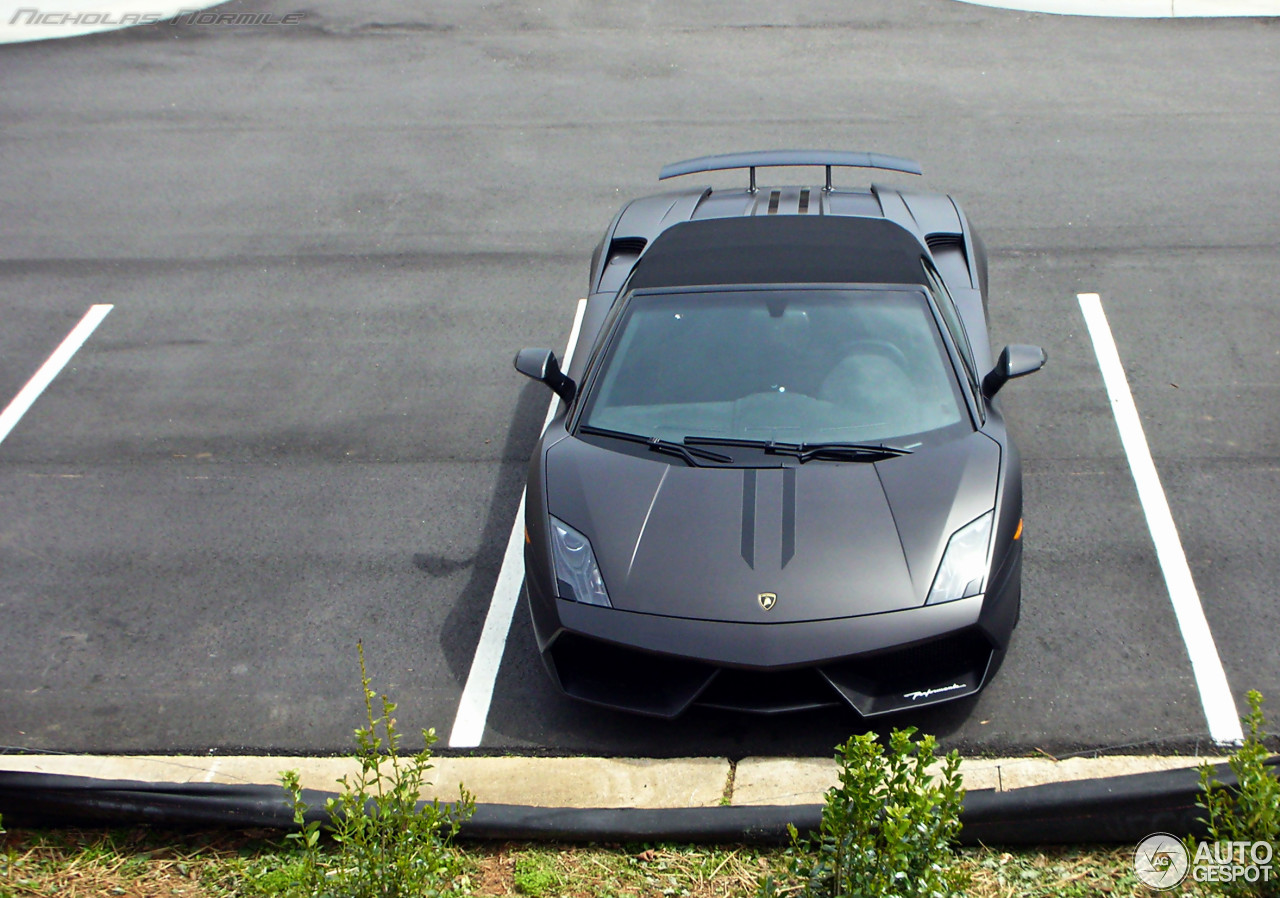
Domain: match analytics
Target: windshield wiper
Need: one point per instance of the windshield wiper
(804, 452)
(841, 451)
(666, 447)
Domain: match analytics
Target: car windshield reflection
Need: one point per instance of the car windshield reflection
(788, 365)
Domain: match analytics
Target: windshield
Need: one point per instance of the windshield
(794, 365)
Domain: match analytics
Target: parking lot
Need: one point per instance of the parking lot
(297, 427)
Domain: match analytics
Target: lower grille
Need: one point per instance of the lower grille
(767, 692)
(665, 686)
(913, 677)
(604, 674)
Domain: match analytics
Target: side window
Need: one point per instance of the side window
(952, 319)
(602, 338)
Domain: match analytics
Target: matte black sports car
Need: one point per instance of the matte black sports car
(778, 477)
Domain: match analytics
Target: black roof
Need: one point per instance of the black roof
(781, 249)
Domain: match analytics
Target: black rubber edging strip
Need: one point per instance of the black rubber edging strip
(1116, 809)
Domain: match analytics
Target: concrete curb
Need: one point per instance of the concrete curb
(589, 782)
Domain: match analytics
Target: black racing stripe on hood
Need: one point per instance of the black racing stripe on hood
(788, 514)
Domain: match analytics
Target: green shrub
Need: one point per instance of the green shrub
(1250, 813)
(887, 829)
(388, 844)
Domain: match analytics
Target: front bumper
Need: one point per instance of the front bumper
(876, 664)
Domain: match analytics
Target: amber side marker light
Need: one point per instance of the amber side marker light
(1017, 534)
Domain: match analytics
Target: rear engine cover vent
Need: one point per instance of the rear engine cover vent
(626, 249)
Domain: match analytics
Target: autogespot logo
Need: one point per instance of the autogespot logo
(1162, 862)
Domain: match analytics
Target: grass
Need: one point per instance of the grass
(138, 863)
(115, 863)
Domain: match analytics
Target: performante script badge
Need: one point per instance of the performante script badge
(928, 693)
(767, 600)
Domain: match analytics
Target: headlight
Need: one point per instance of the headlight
(964, 564)
(577, 574)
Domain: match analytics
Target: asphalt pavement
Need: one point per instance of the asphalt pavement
(298, 427)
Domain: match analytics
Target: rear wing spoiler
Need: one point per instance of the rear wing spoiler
(780, 158)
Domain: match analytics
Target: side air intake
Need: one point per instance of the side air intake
(949, 255)
(625, 249)
(944, 242)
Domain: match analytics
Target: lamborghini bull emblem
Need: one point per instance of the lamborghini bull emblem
(767, 600)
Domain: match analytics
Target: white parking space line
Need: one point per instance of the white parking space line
(1145, 9)
(14, 411)
(473, 709)
(1215, 695)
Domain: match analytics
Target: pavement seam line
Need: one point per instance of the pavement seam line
(1206, 665)
(727, 797)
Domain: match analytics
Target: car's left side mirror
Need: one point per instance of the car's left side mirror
(1015, 361)
(541, 365)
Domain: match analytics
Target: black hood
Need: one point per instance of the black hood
(829, 539)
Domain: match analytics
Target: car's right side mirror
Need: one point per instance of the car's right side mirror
(1015, 361)
(541, 364)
